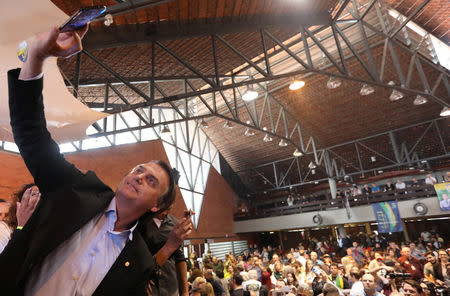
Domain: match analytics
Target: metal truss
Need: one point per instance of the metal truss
(394, 156)
(354, 30)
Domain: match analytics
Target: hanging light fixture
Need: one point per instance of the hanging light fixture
(311, 165)
(366, 90)
(250, 94)
(297, 153)
(248, 132)
(282, 143)
(267, 138)
(165, 129)
(420, 100)
(296, 84)
(445, 111)
(227, 125)
(204, 123)
(333, 83)
(373, 158)
(395, 95)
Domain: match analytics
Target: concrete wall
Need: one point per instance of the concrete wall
(333, 217)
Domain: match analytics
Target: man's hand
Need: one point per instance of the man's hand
(179, 232)
(25, 209)
(52, 43)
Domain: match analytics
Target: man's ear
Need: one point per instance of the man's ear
(154, 210)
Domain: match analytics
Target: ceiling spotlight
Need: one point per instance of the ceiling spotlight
(227, 125)
(366, 90)
(296, 84)
(282, 143)
(267, 138)
(445, 111)
(395, 95)
(204, 123)
(248, 132)
(316, 182)
(333, 83)
(165, 129)
(311, 165)
(250, 95)
(373, 158)
(297, 153)
(419, 100)
(411, 168)
(108, 20)
(380, 172)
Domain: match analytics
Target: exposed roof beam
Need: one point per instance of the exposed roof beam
(125, 35)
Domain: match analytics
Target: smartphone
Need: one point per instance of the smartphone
(316, 270)
(188, 214)
(80, 18)
(286, 289)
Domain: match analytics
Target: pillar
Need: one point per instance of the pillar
(341, 230)
(405, 231)
(368, 230)
(333, 189)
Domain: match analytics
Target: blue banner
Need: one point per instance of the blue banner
(388, 217)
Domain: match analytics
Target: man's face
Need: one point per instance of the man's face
(214, 259)
(431, 258)
(4, 208)
(143, 186)
(313, 256)
(369, 283)
(406, 252)
(349, 252)
(355, 244)
(409, 290)
(412, 246)
(275, 257)
(334, 270)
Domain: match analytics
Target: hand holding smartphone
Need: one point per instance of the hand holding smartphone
(81, 18)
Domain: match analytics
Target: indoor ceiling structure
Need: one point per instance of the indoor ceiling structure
(366, 67)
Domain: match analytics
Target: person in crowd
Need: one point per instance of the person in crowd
(429, 268)
(66, 236)
(330, 290)
(315, 259)
(290, 200)
(358, 252)
(215, 282)
(338, 280)
(368, 281)
(236, 285)
(348, 261)
(389, 186)
(156, 232)
(375, 188)
(357, 286)
(415, 183)
(22, 207)
(197, 284)
(430, 180)
(216, 265)
(442, 269)
(400, 184)
(366, 190)
(410, 264)
(225, 282)
(252, 284)
(206, 290)
(411, 288)
(356, 191)
(319, 281)
(192, 262)
(415, 251)
(291, 280)
(4, 208)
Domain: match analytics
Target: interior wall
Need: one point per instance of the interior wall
(112, 163)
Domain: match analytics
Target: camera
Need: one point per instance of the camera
(393, 275)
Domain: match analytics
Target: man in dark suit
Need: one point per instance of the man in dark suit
(83, 237)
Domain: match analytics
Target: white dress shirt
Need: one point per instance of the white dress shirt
(78, 265)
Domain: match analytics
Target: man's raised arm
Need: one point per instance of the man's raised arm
(39, 151)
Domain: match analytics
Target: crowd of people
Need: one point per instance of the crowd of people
(368, 265)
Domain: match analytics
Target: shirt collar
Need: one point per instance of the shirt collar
(111, 214)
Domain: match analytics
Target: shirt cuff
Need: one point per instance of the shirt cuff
(39, 76)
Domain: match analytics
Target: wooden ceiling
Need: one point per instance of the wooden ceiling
(331, 116)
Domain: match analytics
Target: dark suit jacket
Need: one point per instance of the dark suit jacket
(69, 200)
